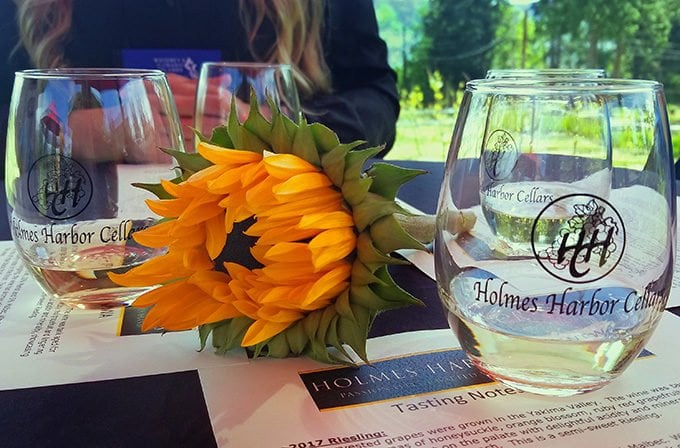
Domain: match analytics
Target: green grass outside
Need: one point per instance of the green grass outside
(426, 134)
(423, 135)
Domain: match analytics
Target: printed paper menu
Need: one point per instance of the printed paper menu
(276, 404)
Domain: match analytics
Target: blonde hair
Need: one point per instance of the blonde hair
(44, 25)
(298, 38)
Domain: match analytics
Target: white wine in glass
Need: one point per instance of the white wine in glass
(77, 141)
(566, 273)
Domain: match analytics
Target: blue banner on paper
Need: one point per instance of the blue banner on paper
(416, 374)
(185, 62)
(384, 380)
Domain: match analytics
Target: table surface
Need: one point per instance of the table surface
(38, 404)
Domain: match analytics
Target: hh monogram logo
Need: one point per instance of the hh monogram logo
(500, 154)
(589, 244)
(59, 187)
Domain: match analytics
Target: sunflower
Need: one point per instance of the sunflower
(276, 239)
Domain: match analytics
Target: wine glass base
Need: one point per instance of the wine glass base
(101, 299)
(543, 384)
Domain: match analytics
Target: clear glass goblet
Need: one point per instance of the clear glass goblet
(566, 272)
(77, 140)
(221, 83)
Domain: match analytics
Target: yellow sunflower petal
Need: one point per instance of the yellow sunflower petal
(291, 233)
(289, 273)
(156, 270)
(262, 225)
(284, 166)
(236, 205)
(239, 291)
(210, 281)
(332, 237)
(197, 259)
(162, 313)
(330, 284)
(183, 310)
(325, 201)
(255, 174)
(215, 236)
(261, 330)
(247, 308)
(306, 194)
(170, 208)
(274, 294)
(202, 312)
(261, 195)
(223, 312)
(225, 156)
(153, 296)
(182, 190)
(185, 238)
(276, 314)
(230, 180)
(157, 235)
(199, 211)
(328, 220)
(258, 251)
(237, 271)
(289, 252)
(326, 255)
(201, 178)
(302, 182)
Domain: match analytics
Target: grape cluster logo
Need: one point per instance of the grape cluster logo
(590, 243)
(500, 154)
(59, 187)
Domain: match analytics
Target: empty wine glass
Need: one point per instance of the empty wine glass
(77, 140)
(566, 272)
(221, 83)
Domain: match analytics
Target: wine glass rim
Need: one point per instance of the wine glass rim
(526, 85)
(259, 65)
(555, 72)
(89, 73)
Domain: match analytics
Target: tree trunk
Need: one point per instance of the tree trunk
(555, 51)
(618, 57)
(592, 48)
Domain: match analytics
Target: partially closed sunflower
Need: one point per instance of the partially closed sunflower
(277, 241)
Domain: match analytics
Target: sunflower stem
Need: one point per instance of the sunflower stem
(422, 227)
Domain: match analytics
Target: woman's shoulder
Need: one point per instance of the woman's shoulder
(352, 34)
(350, 12)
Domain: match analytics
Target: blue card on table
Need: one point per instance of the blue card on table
(185, 62)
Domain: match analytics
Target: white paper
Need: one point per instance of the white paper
(274, 408)
(43, 342)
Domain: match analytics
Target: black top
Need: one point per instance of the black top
(364, 104)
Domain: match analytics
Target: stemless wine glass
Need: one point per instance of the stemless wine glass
(566, 272)
(77, 140)
(220, 83)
